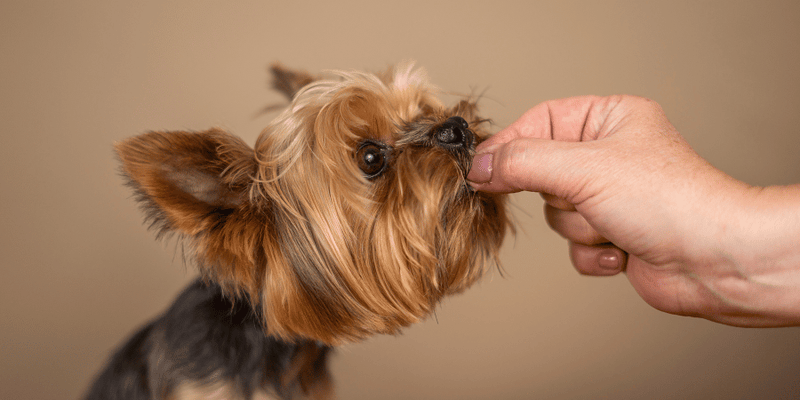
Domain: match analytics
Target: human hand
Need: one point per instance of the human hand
(629, 194)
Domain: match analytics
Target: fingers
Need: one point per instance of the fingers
(600, 260)
(572, 226)
(590, 252)
(562, 119)
(538, 151)
(542, 152)
(572, 119)
(557, 202)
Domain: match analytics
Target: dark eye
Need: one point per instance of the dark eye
(371, 158)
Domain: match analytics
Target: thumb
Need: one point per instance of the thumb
(556, 167)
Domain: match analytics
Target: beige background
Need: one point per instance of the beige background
(79, 270)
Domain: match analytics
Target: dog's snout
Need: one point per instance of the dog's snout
(454, 132)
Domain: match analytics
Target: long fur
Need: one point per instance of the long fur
(319, 251)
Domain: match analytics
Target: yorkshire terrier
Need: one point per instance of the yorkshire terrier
(351, 216)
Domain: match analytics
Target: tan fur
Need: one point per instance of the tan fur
(323, 252)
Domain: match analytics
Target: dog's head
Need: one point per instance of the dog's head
(352, 214)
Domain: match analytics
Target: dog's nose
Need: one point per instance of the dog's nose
(454, 132)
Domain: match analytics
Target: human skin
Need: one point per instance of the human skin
(630, 195)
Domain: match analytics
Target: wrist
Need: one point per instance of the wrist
(753, 273)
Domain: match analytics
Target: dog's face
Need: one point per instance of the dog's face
(351, 216)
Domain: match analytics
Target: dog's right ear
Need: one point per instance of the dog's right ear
(288, 81)
(197, 185)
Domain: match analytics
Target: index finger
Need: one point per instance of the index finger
(571, 119)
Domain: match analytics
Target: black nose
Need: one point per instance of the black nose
(453, 133)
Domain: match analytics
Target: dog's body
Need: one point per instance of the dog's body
(350, 217)
(209, 347)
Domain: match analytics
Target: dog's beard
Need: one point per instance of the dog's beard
(359, 274)
(322, 246)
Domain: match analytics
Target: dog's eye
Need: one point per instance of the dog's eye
(371, 158)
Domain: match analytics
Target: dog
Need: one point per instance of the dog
(351, 216)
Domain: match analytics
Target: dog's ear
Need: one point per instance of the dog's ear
(289, 81)
(197, 185)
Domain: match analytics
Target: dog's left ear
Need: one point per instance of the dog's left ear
(288, 81)
(197, 184)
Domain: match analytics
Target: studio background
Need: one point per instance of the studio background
(80, 271)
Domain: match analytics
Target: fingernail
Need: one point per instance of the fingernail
(481, 170)
(608, 260)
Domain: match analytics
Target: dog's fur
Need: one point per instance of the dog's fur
(350, 217)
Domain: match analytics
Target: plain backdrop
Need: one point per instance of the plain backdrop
(79, 271)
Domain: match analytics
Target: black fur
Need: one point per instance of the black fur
(205, 337)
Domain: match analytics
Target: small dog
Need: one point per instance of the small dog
(351, 217)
